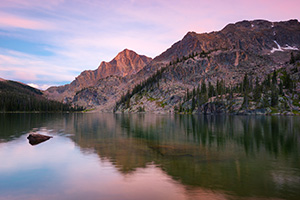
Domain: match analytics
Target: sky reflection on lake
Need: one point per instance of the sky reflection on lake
(106, 156)
(58, 169)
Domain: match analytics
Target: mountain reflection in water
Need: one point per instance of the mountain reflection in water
(110, 156)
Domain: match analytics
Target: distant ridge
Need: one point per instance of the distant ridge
(258, 36)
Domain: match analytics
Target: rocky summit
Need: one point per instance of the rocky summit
(256, 48)
(125, 63)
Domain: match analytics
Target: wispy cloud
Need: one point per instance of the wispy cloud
(20, 66)
(13, 21)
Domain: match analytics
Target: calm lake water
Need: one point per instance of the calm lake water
(141, 157)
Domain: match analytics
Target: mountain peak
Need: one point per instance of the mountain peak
(127, 50)
(130, 54)
(127, 62)
(126, 53)
(191, 33)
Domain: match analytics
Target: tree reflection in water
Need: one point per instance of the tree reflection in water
(242, 156)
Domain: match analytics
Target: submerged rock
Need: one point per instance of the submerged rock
(35, 138)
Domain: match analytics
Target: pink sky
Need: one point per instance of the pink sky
(71, 36)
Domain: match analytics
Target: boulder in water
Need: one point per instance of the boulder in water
(35, 138)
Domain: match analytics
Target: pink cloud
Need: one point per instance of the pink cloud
(25, 75)
(7, 20)
(30, 4)
(27, 68)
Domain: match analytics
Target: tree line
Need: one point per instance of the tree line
(15, 96)
(147, 84)
(265, 92)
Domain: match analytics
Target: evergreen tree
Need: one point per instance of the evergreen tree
(187, 94)
(265, 100)
(193, 104)
(274, 96)
(198, 90)
(218, 87)
(250, 83)
(222, 89)
(203, 88)
(280, 88)
(128, 103)
(274, 78)
(175, 108)
(257, 90)
(180, 108)
(246, 84)
(194, 92)
(246, 101)
(287, 81)
(292, 59)
(268, 81)
(211, 90)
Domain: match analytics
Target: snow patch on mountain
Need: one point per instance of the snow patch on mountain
(286, 47)
(276, 49)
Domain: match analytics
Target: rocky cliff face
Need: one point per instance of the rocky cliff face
(104, 94)
(125, 63)
(254, 47)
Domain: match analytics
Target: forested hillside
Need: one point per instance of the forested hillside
(15, 96)
(274, 93)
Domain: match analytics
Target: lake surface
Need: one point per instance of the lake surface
(120, 157)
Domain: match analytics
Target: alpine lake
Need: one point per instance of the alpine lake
(149, 157)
